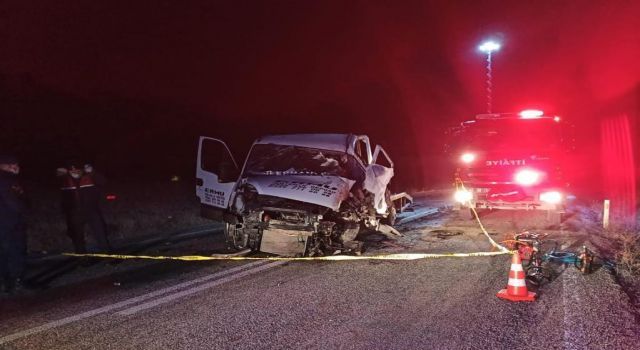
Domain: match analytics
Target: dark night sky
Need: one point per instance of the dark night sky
(242, 68)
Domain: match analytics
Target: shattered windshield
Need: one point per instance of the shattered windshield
(292, 160)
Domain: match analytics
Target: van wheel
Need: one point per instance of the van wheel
(236, 238)
(393, 213)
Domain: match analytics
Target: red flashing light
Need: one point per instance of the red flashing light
(111, 197)
(556, 119)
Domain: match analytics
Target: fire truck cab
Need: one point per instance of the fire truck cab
(511, 161)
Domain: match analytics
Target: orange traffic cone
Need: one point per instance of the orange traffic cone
(516, 288)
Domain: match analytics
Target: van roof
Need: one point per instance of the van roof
(331, 142)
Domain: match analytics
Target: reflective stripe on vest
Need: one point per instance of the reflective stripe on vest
(69, 183)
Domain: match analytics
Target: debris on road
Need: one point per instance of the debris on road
(529, 247)
(389, 231)
(444, 234)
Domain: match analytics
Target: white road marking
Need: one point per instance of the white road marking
(184, 293)
(574, 332)
(104, 309)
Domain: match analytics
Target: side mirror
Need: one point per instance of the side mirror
(376, 153)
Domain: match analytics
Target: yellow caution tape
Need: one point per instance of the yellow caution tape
(401, 256)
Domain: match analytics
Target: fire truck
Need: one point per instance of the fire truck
(511, 161)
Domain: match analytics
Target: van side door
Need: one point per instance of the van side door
(216, 175)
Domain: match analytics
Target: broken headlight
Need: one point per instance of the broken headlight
(246, 194)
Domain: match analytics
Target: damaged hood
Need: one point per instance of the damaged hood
(327, 191)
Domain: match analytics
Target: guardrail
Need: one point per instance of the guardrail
(405, 200)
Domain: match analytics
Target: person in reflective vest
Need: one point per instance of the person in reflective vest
(81, 205)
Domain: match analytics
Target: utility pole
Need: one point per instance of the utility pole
(489, 47)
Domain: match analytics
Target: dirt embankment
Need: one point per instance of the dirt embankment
(132, 211)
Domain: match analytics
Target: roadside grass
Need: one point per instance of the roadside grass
(628, 263)
(138, 210)
(628, 254)
(620, 243)
(623, 235)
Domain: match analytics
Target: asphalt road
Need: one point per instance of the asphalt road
(436, 303)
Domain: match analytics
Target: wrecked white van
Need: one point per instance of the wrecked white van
(296, 195)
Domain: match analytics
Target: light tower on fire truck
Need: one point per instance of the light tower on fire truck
(489, 47)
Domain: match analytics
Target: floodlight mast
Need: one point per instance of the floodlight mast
(489, 47)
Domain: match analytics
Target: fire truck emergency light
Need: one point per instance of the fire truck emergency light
(527, 177)
(467, 157)
(462, 196)
(531, 114)
(551, 197)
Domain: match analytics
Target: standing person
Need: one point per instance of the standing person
(81, 205)
(13, 244)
